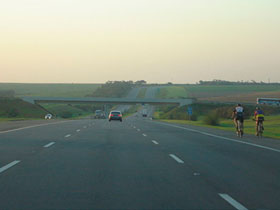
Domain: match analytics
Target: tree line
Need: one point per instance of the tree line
(224, 82)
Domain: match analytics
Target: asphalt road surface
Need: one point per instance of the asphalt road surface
(136, 164)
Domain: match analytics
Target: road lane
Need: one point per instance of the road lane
(23, 143)
(250, 174)
(112, 165)
(108, 166)
(6, 167)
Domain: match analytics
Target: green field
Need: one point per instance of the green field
(231, 88)
(50, 90)
(172, 92)
(271, 125)
(223, 90)
(221, 93)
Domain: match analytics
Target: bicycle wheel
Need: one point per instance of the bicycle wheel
(260, 130)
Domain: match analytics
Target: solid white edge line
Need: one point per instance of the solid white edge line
(33, 126)
(155, 142)
(221, 137)
(49, 144)
(176, 158)
(233, 202)
(67, 135)
(4, 168)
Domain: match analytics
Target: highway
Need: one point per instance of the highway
(136, 164)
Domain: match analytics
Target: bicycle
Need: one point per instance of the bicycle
(260, 129)
(239, 131)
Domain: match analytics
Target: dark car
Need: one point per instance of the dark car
(115, 115)
(99, 114)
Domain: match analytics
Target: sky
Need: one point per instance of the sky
(179, 41)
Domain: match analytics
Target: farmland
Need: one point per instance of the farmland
(50, 90)
(221, 93)
(172, 92)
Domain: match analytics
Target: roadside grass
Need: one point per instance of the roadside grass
(271, 125)
(172, 92)
(50, 90)
(3, 119)
(142, 93)
(72, 111)
(16, 109)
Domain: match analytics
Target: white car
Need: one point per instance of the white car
(48, 116)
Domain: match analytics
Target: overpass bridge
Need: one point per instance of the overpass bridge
(91, 100)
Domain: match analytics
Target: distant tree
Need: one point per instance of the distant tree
(224, 82)
(140, 82)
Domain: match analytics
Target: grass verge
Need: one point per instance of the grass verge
(271, 125)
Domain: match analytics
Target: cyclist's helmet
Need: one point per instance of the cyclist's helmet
(238, 104)
(258, 108)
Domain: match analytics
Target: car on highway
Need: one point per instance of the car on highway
(144, 113)
(99, 114)
(115, 115)
(48, 117)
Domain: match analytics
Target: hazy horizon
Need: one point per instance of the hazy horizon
(71, 41)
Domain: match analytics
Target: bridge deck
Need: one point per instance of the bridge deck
(37, 100)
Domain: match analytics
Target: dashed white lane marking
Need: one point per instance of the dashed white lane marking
(144, 135)
(50, 144)
(78, 130)
(85, 126)
(221, 137)
(33, 126)
(134, 127)
(176, 158)
(138, 130)
(4, 168)
(233, 202)
(67, 135)
(155, 142)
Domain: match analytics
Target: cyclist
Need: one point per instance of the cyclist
(259, 117)
(237, 114)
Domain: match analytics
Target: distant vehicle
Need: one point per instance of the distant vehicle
(99, 114)
(269, 101)
(144, 113)
(115, 115)
(48, 116)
